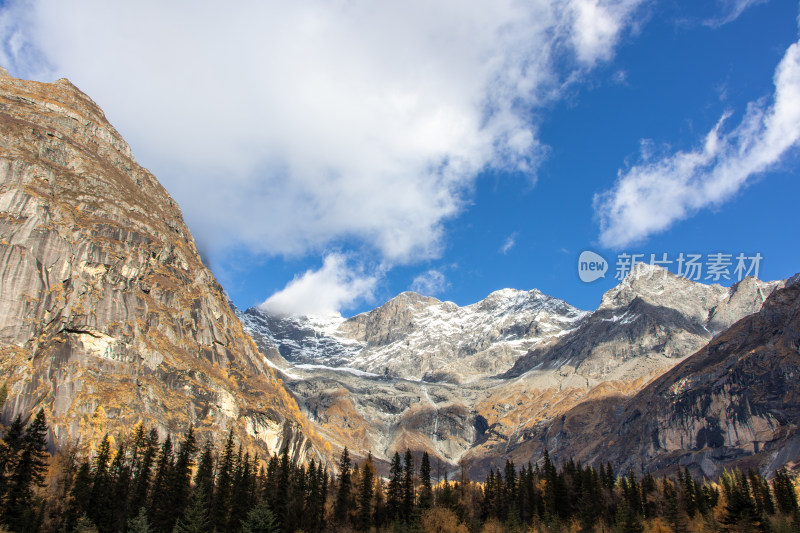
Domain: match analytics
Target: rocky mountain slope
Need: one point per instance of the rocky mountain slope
(417, 337)
(108, 316)
(484, 382)
(735, 401)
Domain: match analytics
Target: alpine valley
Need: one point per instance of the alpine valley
(521, 371)
(109, 317)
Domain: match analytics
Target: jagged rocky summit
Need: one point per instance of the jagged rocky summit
(478, 384)
(735, 402)
(108, 316)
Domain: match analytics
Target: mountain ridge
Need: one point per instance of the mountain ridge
(109, 317)
(634, 336)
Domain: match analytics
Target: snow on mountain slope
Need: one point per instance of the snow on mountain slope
(421, 338)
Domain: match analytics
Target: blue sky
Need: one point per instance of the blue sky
(328, 156)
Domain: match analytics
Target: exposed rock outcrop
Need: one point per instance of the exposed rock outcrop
(422, 373)
(107, 314)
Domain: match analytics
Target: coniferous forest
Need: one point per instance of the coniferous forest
(144, 484)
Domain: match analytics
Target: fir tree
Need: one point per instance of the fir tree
(204, 477)
(672, 511)
(394, 491)
(243, 487)
(425, 491)
(79, 496)
(343, 497)
(222, 496)
(160, 510)
(407, 507)
(260, 520)
(740, 510)
(628, 521)
(281, 502)
(180, 479)
(10, 449)
(365, 494)
(139, 523)
(785, 496)
(118, 497)
(28, 474)
(146, 449)
(196, 519)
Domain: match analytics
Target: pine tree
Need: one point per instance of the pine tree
(310, 521)
(322, 474)
(99, 508)
(394, 491)
(180, 480)
(196, 519)
(10, 449)
(79, 496)
(281, 502)
(219, 515)
(139, 523)
(242, 492)
(28, 473)
(118, 496)
(204, 477)
(343, 497)
(426, 491)
(509, 496)
(146, 449)
(407, 507)
(260, 520)
(628, 521)
(365, 494)
(689, 488)
(740, 510)
(672, 511)
(160, 511)
(785, 496)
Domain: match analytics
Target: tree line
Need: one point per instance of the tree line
(142, 484)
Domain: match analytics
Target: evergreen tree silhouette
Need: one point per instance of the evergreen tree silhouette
(365, 494)
(425, 491)
(28, 474)
(343, 493)
(407, 506)
(394, 490)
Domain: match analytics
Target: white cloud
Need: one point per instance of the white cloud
(649, 197)
(283, 126)
(596, 26)
(731, 10)
(509, 243)
(335, 286)
(429, 283)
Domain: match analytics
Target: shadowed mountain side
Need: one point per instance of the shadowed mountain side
(734, 402)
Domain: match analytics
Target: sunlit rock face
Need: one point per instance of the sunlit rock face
(494, 380)
(108, 316)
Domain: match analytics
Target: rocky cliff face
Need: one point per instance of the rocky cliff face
(652, 314)
(107, 314)
(493, 380)
(736, 401)
(417, 337)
